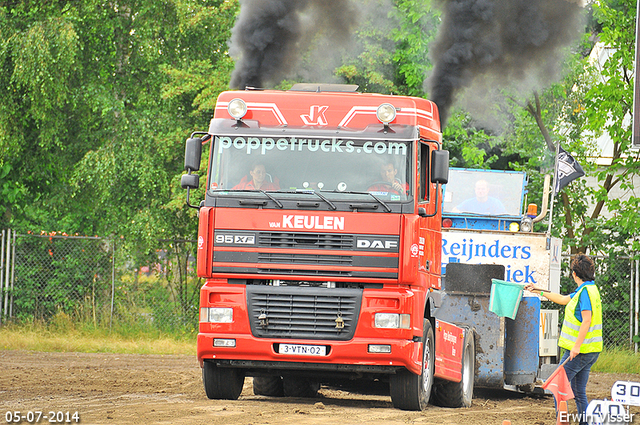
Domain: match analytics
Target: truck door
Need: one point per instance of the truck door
(429, 234)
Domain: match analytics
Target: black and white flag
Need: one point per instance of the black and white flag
(567, 170)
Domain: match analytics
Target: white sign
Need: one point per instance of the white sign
(603, 412)
(626, 392)
(524, 255)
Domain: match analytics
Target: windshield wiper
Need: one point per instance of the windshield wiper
(384, 204)
(321, 196)
(267, 194)
(311, 192)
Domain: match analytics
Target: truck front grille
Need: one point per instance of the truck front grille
(303, 312)
(295, 258)
(305, 240)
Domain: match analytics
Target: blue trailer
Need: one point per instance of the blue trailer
(487, 234)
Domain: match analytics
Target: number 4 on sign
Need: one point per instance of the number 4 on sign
(603, 412)
(626, 392)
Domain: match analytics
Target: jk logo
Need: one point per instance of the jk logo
(316, 116)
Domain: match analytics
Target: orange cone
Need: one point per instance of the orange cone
(562, 407)
(506, 422)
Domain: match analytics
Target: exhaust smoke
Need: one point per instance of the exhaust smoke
(271, 35)
(506, 42)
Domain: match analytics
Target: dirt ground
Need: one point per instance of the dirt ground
(154, 389)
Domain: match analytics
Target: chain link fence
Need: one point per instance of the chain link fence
(94, 281)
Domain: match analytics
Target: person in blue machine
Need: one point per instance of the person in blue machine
(482, 203)
(581, 332)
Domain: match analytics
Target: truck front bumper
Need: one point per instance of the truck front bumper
(341, 356)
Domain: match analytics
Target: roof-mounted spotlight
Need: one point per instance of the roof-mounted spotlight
(237, 109)
(386, 113)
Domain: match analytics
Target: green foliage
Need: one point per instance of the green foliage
(603, 109)
(417, 24)
(465, 141)
(617, 360)
(392, 44)
(96, 100)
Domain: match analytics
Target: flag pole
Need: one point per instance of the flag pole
(553, 194)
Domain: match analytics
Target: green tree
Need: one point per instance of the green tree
(591, 101)
(96, 99)
(391, 42)
(607, 107)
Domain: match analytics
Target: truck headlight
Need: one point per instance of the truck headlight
(237, 108)
(392, 321)
(216, 315)
(526, 224)
(386, 113)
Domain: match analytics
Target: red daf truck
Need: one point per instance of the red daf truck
(320, 244)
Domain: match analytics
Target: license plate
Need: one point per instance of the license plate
(303, 350)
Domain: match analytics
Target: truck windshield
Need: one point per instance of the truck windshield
(331, 165)
(484, 192)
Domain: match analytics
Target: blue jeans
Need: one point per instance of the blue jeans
(578, 374)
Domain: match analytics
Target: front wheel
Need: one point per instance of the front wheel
(459, 394)
(408, 390)
(222, 383)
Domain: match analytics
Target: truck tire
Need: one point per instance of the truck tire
(270, 386)
(222, 383)
(459, 394)
(299, 387)
(408, 390)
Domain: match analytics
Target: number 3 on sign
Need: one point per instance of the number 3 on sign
(626, 392)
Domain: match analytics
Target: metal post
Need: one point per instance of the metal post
(6, 273)
(635, 133)
(1, 272)
(631, 310)
(553, 192)
(637, 316)
(113, 278)
(13, 273)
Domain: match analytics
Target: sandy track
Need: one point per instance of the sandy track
(154, 389)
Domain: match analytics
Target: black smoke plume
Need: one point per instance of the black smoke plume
(270, 36)
(509, 42)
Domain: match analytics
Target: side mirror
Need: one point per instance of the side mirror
(190, 181)
(440, 167)
(192, 154)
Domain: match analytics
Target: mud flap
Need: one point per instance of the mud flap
(449, 349)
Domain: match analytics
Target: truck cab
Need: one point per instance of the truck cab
(320, 244)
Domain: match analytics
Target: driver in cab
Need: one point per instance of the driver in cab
(389, 183)
(258, 179)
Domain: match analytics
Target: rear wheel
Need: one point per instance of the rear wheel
(299, 387)
(222, 383)
(459, 394)
(408, 390)
(270, 386)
